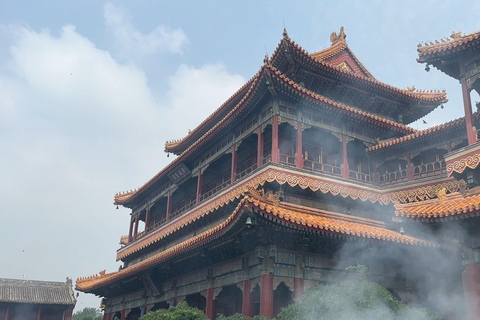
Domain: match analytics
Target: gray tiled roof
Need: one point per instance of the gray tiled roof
(38, 292)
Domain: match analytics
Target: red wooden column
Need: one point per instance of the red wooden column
(471, 287)
(210, 308)
(136, 227)
(68, 314)
(234, 164)
(123, 315)
(467, 105)
(199, 186)
(147, 219)
(266, 295)
(259, 147)
(130, 231)
(299, 157)
(275, 155)
(410, 175)
(39, 314)
(6, 313)
(345, 170)
(247, 306)
(105, 316)
(169, 206)
(298, 280)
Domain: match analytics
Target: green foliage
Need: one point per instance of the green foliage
(180, 312)
(239, 316)
(88, 314)
(351, 300)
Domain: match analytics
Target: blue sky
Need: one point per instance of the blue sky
(91, 90)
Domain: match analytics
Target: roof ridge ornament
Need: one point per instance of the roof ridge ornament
(334, 37)
(285, 33)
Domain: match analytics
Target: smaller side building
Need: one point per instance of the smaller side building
(36, 300)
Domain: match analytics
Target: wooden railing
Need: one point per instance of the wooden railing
(181, 210)
(157, 224)
(360, 176)
(211, 192)
(430, 169)
(245, 172)
(392, 177)
(287, 159)
(322, 168)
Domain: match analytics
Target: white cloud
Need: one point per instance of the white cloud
(130, 40)
(195, 93)
(75, 127)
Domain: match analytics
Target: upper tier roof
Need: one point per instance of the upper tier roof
(444, 54)
(337, 62)
(36, 292)
(257, 90)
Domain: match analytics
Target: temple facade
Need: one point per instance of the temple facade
(308, 168)
(36, 300)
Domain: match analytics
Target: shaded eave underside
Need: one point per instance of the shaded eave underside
(293, 216)
(251, 97)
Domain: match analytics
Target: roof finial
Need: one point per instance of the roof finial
(285, 34)
(265, 59)
(334, 37)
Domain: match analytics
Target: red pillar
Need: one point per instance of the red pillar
(6, 313)
(123, 315)
(130, 231)
(247, 306)
(210, 308)
(39, 314)
(409, 168)
(266, 296)
(471, 287)
(105, 316)
(199, 186)
(345, 170)
(298, 288)
(147, 220)
(234, 164)
(169, 206)
(259, 147)
(299, 158)
(275, 154)
(68, 314)
(467, 105)
(136, 228)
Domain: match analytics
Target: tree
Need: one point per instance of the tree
(88, 314)
(352, 299)
(180, 312)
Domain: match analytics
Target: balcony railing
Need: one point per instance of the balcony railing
(392, 177)
(157, 224)
(360, 176)
(287, 159)
(430, 169)
(245, 172)
(181, 210)
(322, 168)
(211, 192)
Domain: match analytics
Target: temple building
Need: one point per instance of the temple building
(36, 300)
(308, 168)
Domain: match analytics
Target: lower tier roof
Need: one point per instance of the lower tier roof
(268, 206)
